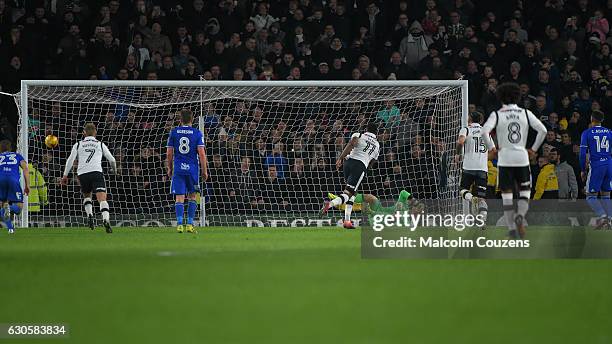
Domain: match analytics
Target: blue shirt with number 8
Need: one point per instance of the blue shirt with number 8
(185, 141)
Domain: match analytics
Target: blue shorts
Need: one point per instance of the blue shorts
(599, 178)
(184, 184)
(10, 190)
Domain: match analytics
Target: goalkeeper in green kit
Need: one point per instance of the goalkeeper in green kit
(371, 205)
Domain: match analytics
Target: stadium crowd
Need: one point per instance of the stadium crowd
(558, 51)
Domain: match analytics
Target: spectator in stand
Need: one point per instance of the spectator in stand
(368, 72)
(300, 183)
(339, 71)
(181, 37)
(486, 33)
(244, 190)
(333, 51)
(374, 21)
(515, 74)
(414, 47)
(275, 56)
(489, 100)
(390, 115)
(323, 72)
(401, 29)
(399, 69)
(515, 25)
(263, 44)
(273, 191)
(438, 70)
(431, 23)
(11, 80)
(155, 63)
(295, 74)
(455, 28)
(576, 126)
(181, 60)
(553, 122)
(246, 51)
(218, 193)
(553, 44)
(70, 44)
(219, 57)
(283, 69)
(140, 52)
(601, 59)
(551, 138)
(142, 28)
(238, 74)
(168, 71)
(276, 158)
(191, 71)
(512, 47)
(195, 15)
(598, 26)
(106, 53)
(566, 178)
(316, 27)
(260, 153)
(541, 110)
(251, 70)
(529, 59)
(131, 67)
(158, 41)
(263, 20)
(493, 59)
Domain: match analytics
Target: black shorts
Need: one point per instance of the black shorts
(510, 177)
(92, 182)
(354, 172)
(476, 178)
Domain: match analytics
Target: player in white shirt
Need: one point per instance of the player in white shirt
(512, 124)
(360, 153)
(89, 152)
(475, 157)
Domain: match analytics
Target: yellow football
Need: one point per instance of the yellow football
(51, 141)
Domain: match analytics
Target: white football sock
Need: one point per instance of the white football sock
(349, 208)
(105, 210)
(88, 204)
(339, 200)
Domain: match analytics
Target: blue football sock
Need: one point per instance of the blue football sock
(191, 211)
(596, 205)
(9, 224)
(180, 210)
(605, 199)
(15, 209)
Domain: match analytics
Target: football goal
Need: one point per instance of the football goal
(271, 146)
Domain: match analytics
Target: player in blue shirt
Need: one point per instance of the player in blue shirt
(11, 195)
(185, 149)
(596, 141)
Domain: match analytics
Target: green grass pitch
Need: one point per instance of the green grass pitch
(242, 285)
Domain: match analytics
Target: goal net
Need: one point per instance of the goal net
(271, 146)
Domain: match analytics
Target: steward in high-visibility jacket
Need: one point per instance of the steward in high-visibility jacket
(38, 190)
(492, 189)
(547, 186)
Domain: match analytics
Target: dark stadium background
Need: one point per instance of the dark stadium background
(558, 51)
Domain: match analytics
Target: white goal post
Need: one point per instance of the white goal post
(271, 145)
